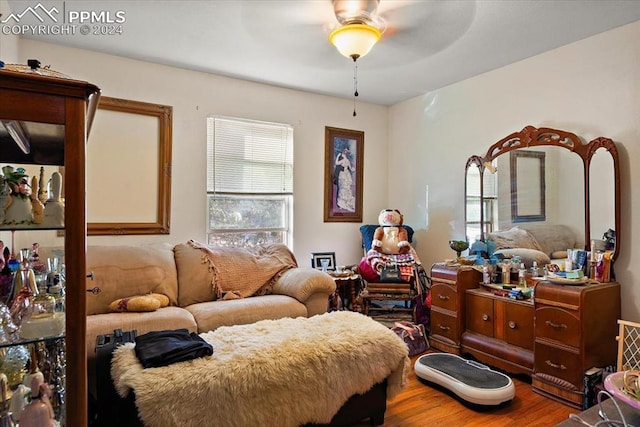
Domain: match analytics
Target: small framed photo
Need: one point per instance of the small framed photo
(323, 261)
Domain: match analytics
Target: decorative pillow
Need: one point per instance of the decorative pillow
(162, 299)
(136, 303)
(558, 255)
(514, 238)
(527, 256)
(552, 238)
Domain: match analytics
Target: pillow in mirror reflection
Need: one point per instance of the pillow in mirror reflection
(527, 256)
(41, 327)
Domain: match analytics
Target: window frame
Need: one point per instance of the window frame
(286, 230)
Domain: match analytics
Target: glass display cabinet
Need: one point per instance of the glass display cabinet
(45, 119)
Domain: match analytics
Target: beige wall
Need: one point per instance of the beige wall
(195, 95)
(591, 88)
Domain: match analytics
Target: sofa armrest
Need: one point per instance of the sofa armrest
(302, 283)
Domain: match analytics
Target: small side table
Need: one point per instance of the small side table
(348, 286)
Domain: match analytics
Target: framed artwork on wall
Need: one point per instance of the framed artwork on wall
(343, 159)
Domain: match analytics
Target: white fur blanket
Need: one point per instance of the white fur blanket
(284, 372)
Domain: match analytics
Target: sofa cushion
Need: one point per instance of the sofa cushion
(527, 256)
(211, 315)
(207, 273)
(123, 271)
(554, 238)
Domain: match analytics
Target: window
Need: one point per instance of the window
(249, 182)
(489, 205)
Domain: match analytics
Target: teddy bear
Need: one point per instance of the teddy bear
(390, 237)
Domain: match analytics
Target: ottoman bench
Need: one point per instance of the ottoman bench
(285, 372)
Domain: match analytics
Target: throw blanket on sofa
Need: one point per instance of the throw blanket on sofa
(285, 372)
(241, 273)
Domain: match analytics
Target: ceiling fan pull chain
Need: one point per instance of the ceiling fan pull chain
(355, 84)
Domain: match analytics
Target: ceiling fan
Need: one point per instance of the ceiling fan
(360, 28)
(407, 27)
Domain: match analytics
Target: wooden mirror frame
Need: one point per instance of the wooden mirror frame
(161, 225)
(533, 137)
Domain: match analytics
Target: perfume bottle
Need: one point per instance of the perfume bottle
(522, 276)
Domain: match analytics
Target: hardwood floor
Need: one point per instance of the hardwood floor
(421, 405)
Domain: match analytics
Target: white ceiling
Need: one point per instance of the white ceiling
(428, 44)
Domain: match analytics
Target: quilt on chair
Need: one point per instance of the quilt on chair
(285, 372)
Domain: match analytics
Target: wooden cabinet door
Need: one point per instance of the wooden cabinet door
(480, 315)
(516, 323)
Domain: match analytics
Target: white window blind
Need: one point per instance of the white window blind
(249, 157)
(473, 183)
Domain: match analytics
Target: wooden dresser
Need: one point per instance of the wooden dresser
(575, 329)
(554, 339)
(448, 286)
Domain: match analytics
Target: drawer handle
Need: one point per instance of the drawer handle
(95, 290)
(554, 365)
(485, 317)
(443, 327)
(555, 325)
(445, 297)
(512, 324)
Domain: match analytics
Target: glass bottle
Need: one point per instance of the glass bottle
(522, 276)
(486, 273)
(535, 271)
(506, 272)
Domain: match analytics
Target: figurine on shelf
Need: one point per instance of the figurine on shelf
(39, 412)
(36, 205)
(18, 210)
(19, 401)
(6, 277)
(8, 330)
(34, 370)
(5, 414)
(42, 190)
(54, 208)
(4, 197)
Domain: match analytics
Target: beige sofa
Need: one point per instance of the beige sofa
(179, 273)
(542, 243)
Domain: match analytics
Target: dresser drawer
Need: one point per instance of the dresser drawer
(558, 362)
(558, 324)
(480, 315)
(446, 272)
(444, 296)
(445, 326)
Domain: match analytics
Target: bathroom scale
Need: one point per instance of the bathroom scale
(469, 380)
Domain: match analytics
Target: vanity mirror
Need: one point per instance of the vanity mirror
(549, 177)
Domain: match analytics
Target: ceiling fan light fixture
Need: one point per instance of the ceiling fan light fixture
(355, 40)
